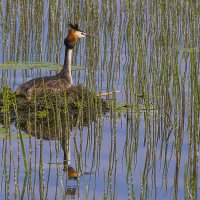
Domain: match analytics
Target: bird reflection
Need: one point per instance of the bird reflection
(40, 130)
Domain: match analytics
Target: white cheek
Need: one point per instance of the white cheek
(80, 35)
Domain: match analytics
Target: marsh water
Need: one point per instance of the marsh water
(147, 145)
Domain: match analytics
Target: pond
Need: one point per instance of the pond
(146, 146)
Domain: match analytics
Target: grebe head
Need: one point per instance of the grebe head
(73, 35)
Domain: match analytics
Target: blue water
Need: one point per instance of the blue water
(116, 136)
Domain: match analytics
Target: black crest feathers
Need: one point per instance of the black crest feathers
(75, 26)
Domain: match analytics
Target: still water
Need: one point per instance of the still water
(147, 145)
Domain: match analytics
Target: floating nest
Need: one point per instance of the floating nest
(76, 102)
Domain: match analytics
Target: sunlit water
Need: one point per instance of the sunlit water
(149, 151)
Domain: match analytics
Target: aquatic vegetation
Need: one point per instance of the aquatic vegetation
(72, 101)
(36, 65)
(149, 139)
(5, 133)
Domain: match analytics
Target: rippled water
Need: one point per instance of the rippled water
(145, 148)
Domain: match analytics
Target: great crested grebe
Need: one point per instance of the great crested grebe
(61, 81)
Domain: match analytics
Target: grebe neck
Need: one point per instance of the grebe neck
(66, 70)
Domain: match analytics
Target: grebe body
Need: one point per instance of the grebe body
(61, 81)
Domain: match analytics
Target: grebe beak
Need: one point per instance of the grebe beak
(89, 35)
(83, 34)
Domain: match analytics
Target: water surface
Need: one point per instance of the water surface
(146, 149)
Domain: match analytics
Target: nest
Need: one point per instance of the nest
(70, 104)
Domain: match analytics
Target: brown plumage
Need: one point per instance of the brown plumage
(59, 82)
(38, 85)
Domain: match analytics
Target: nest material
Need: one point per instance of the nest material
(72, 101)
